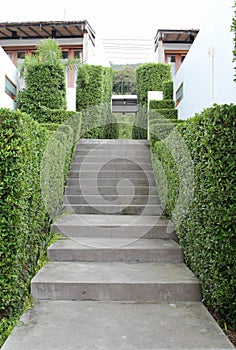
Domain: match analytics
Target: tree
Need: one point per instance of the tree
(124, 81)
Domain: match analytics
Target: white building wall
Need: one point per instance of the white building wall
(207, 72)
(7, 68)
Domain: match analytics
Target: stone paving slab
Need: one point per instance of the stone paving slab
(74, 325)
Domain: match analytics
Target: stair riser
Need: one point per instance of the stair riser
(115, 210)
(117, 255)
(116, 232)
(119, 199)
(110, 166)
(109, 190)
(150, 292)
(113, 153)
(110, 174)
(115, 159)
(110, 182)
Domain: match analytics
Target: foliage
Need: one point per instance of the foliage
(207, 233)
(161, 104)
(23, 231)
(45, 86)
(124, 81)
(125, 125)
(98, 122)
(94, 86)
(33, 168)
(140, 125)
(168, 90)
(150, 77)
(161, 128)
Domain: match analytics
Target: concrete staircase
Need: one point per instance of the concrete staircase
(117, 280)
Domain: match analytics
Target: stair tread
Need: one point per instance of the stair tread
(114, 272)
(110, 220)
(85, 243)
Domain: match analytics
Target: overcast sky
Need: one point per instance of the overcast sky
(126, 19)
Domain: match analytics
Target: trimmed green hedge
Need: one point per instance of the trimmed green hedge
(207, 233)
(33, 167)
(94, 86)
(166, 113)
(98, 122)
(23, 230)
(160, 129)
(45, 86)
(161, 104)
(150, 77)
(140, 124)
(168, 90)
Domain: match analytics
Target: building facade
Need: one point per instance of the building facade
(171, 46)
(76, 39)
(207, 73)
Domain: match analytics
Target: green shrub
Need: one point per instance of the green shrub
(33, 167)
(166, 113)
(159, 129)
(45, 86)
(23, 230)
(168, 90)
(98, 122)
(140, 125)
(150, 77)
(53, 119)
(161, 104)
(93, 87)
(207, 232)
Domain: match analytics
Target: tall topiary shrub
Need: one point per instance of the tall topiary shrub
(44, 74)
(150, 77)
(94, 86)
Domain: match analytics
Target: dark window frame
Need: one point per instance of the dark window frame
(10, 92)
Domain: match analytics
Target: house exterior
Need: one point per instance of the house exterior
(9, 82)
(171, 46)
(76, 39)
(207, 73)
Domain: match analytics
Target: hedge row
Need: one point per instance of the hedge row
(207, 232)
(33, 165)
(50, 92)
(161, 128)
(93, 87)
(161, 104)
(150, 77)
(140, 124)
(98, 122)
(168, 90)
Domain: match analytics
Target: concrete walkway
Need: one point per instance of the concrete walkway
(117, 280)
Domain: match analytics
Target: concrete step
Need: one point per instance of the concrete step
(118, 209)
(115, 166)
(116, 226)
(110, 182)
(89, 249)
(115, 281)
(129, 142)
(111, 152)
(110, 190)
(118, 199)
(105, 159)
(110, 174)
(79, 325)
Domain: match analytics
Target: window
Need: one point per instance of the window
(78, 54)
(20, 57)
(179, 93)
(65, 55)
(171, 59)
(10, 88)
